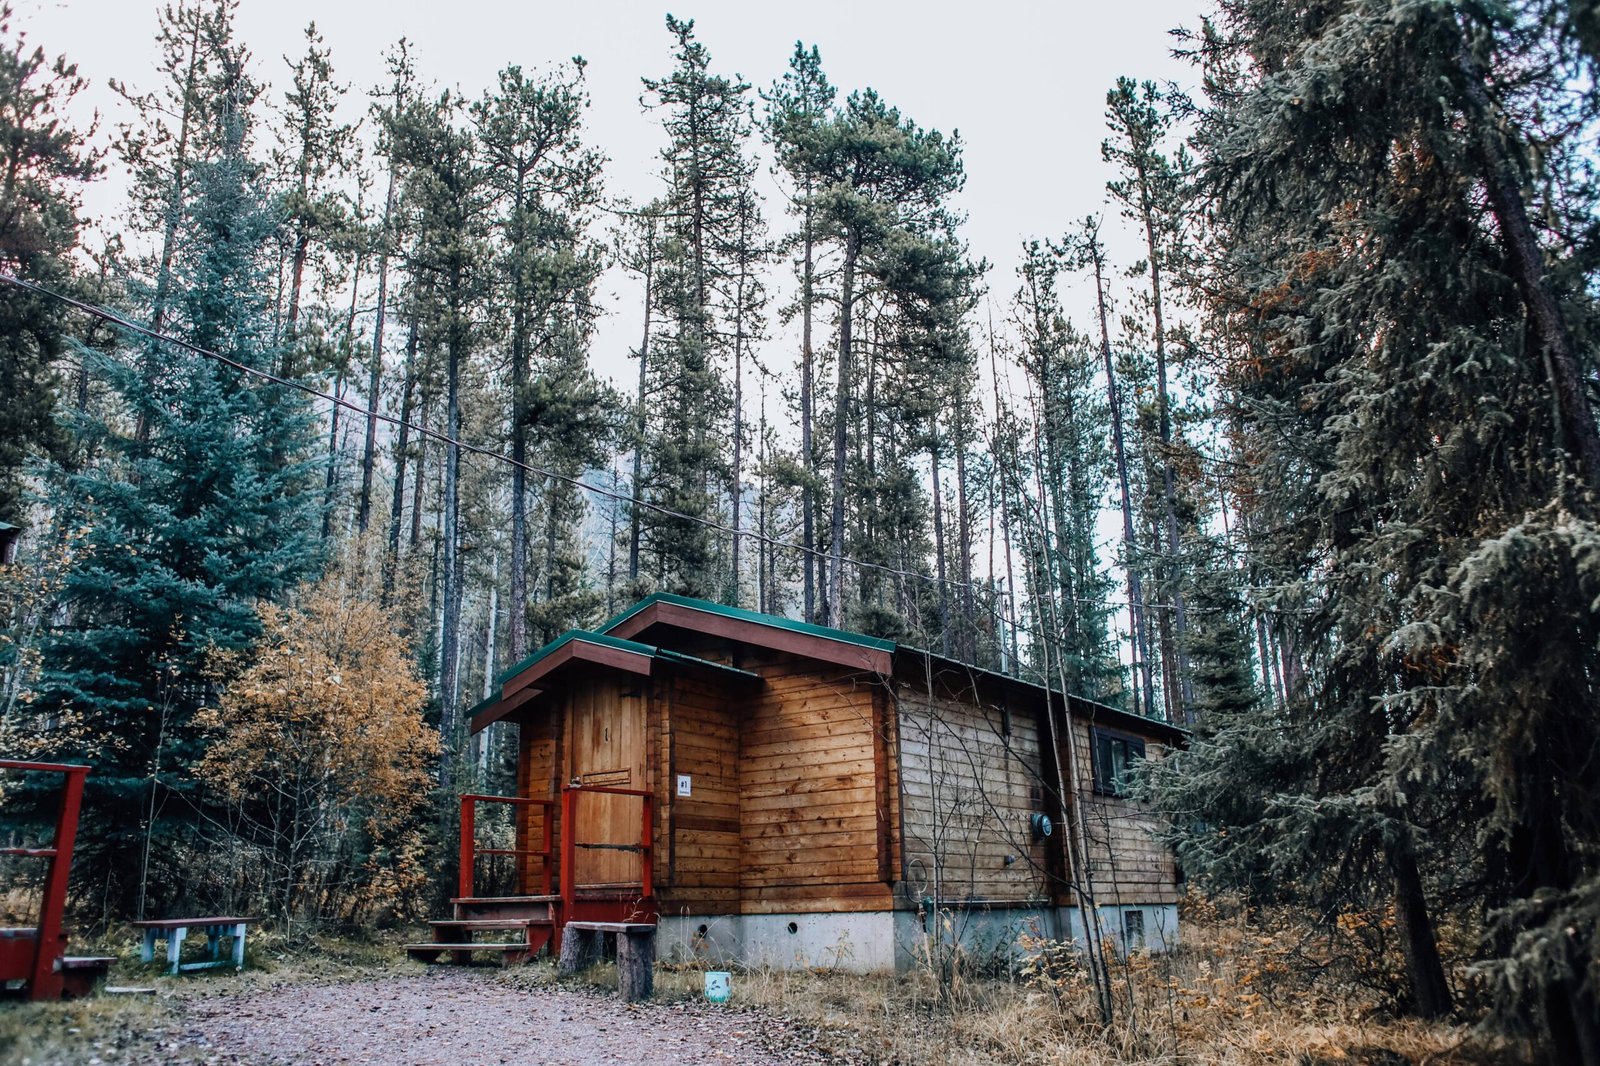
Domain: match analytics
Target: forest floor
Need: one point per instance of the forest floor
(326, 1002)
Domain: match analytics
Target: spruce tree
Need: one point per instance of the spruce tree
(189, 525)
(1410, 330)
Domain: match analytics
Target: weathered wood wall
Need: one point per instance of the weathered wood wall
(973, 778)
(1126, 863)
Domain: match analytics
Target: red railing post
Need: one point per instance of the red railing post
(46, 983)
(647, 847)
(469, 845)
(549, 845)
(569, 835)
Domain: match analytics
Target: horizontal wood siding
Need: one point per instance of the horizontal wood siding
(700, 872)
(536, 779)
(1126, 863)
(972, 779)
(811, 809)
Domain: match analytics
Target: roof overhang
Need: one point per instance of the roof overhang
(835, 646)
(915, 665)
(522, 684)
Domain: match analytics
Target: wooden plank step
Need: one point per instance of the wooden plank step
(479, 901)
(489, 923)
(614, 927)
(87, 962)
(521, 945)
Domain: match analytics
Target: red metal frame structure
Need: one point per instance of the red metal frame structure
(44, 971)
(571, 904)
(530, 913)
(469, 838)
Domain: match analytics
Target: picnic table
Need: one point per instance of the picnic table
(174, 930)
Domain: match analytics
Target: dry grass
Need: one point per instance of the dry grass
(108, 1026)
(1235, 994)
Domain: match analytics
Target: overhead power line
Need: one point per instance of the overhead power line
(138, 328)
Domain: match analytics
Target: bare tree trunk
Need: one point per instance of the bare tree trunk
(1139, 663)
(840, 433)
(934, 462)
(402, 443)
(738, 401)
(968, 648)
(449, 532)
(808, 459)
(1174, 653)
(639, 425)
(369, 449)
(419, 480)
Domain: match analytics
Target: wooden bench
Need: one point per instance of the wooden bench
(636, 953)
(174, 930)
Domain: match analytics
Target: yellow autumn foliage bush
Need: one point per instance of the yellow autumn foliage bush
(321, 751)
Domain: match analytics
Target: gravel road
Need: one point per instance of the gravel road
(462, 1016)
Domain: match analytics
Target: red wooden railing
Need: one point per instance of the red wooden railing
(44, 981)
(570, 843)
(568, 894)
(469, 838)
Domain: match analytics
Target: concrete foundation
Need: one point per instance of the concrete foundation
(874, 941)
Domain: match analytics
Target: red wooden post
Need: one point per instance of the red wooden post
(647, 846)
(46, 982)
(569, 872)
(549, 844)
(469, 845)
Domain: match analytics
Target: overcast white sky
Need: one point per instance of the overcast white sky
(1023, 82)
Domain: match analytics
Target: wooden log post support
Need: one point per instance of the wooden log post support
(580, 949)
(636, 963)
(469, 833)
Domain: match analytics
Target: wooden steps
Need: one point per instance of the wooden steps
(522, 926)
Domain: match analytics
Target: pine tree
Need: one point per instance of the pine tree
(1070, 475)
(545, 182)
(882, 188)
(399, 94)
(796, 105)
(314, 154)
(447, 198)
(1149, 190)
(45, 159)
(707, 119)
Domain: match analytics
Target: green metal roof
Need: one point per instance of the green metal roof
(773, 620)
(604, 640)
(602, 637)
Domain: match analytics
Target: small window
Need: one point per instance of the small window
(1132, 929)
(1114, 757)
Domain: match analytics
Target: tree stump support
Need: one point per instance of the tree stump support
(581, 943)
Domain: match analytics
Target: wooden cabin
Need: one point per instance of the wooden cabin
(772, 792)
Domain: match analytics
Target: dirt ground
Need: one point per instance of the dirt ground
(449, 1015)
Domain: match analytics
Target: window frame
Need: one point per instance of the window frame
(1133, 747)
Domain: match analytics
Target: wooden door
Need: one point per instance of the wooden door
(605, 731)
